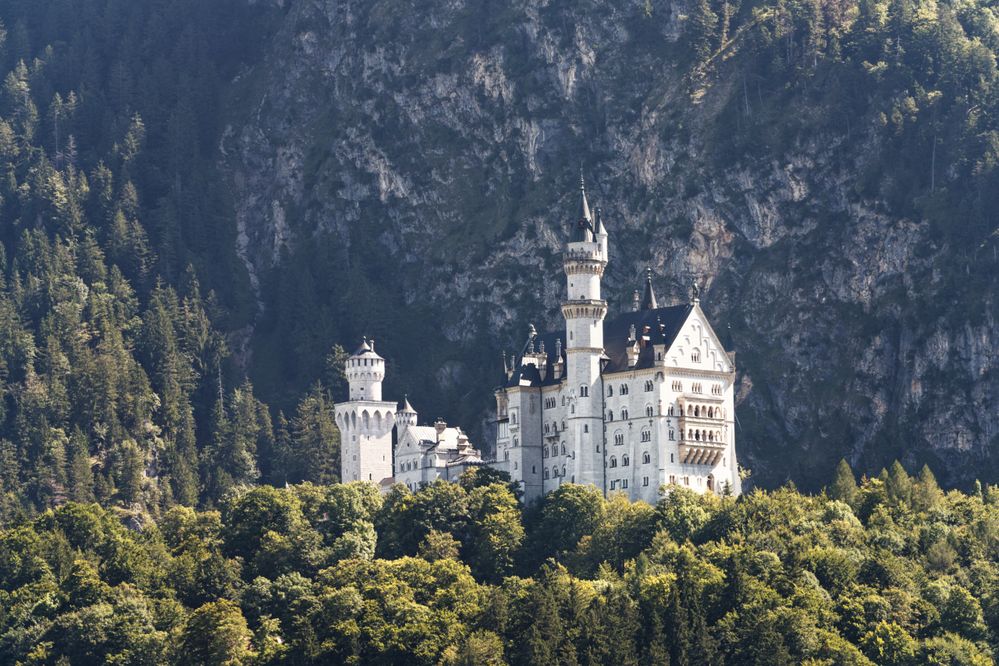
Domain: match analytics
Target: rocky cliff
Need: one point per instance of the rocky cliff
(420, 161)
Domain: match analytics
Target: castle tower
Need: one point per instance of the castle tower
(365, 420)
(406, 416)
(584, 310)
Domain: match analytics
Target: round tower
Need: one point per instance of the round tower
(584, 310)
(365, 372)
(406, 416)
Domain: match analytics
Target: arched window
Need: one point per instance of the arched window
(584, 391)
(671, 436)
(670, 411)
(546, 429)
(547, 475)
(563, 448)
(563, 471)
(513, 417)
(506, 455)
(618, 438)
(649, 385)
(613, 461)
(625, 461)
(648, 410)
(646, 458)
(624, 414)
(697, 410)
(610, 391)
(516, 441)
(646, 435)
(695, 356)
(624, 389)
(610, 414)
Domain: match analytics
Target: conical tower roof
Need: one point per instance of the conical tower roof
(649, 299)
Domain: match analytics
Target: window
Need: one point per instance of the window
(649, 385)
(648, 410)
(610, 391)
(696, 387)
(584, 391)
(563, 448)
(624, 414)
(613, 461)
(613, 485)
(618, 439)
(544, 452)
(563, 471)
(686, 480)
(506, 455)
(516, 465)
(513, 417)
(534, 469)
(547, 475)
(624, 483)
(586, 427)
(670, 411)
(645, 480)
(646, 458)
(671, 436)
(624, 389)
(610, 414)
(678, 386)
(695, 356)
(563, 425)
(646, 435)
(672, 479)
(625, 461)
(546, 429)
(671, 457)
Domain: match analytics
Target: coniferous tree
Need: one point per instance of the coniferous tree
(844, 485)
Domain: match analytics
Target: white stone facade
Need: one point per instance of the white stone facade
(365, 421)
(632, 404)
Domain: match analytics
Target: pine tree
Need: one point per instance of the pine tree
(899, 484)
(844, 485)
(80, 472)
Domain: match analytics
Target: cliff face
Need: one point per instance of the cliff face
(423, 157)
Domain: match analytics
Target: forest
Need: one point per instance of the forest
(890, 571)
(154, 509)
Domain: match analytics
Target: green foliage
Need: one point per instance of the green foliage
(289, 576)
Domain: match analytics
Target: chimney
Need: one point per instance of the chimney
(440, 425)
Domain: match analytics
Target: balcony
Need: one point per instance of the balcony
(694, 452)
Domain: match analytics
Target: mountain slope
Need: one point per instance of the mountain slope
(825, 168)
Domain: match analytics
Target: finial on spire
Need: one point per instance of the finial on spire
(696, 292)
(649, 301)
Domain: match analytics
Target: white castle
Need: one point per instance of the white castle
(641, 401)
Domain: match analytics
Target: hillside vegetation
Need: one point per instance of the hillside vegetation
(894, 572)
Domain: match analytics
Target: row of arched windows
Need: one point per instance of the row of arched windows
(554, 473)
(703, 435)
(705, 411)
(554, 450)
(349, 420)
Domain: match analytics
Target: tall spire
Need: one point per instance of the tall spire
(584, 225)
(649, 300)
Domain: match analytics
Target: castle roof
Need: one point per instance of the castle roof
(404, 406)
(656, 326)
(649, 299)
(367, 349)
(584, 225)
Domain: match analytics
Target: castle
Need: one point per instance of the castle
(629, 404)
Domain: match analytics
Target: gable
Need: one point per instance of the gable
(697, 347)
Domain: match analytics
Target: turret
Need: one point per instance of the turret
(406, 416)
(365, 372)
